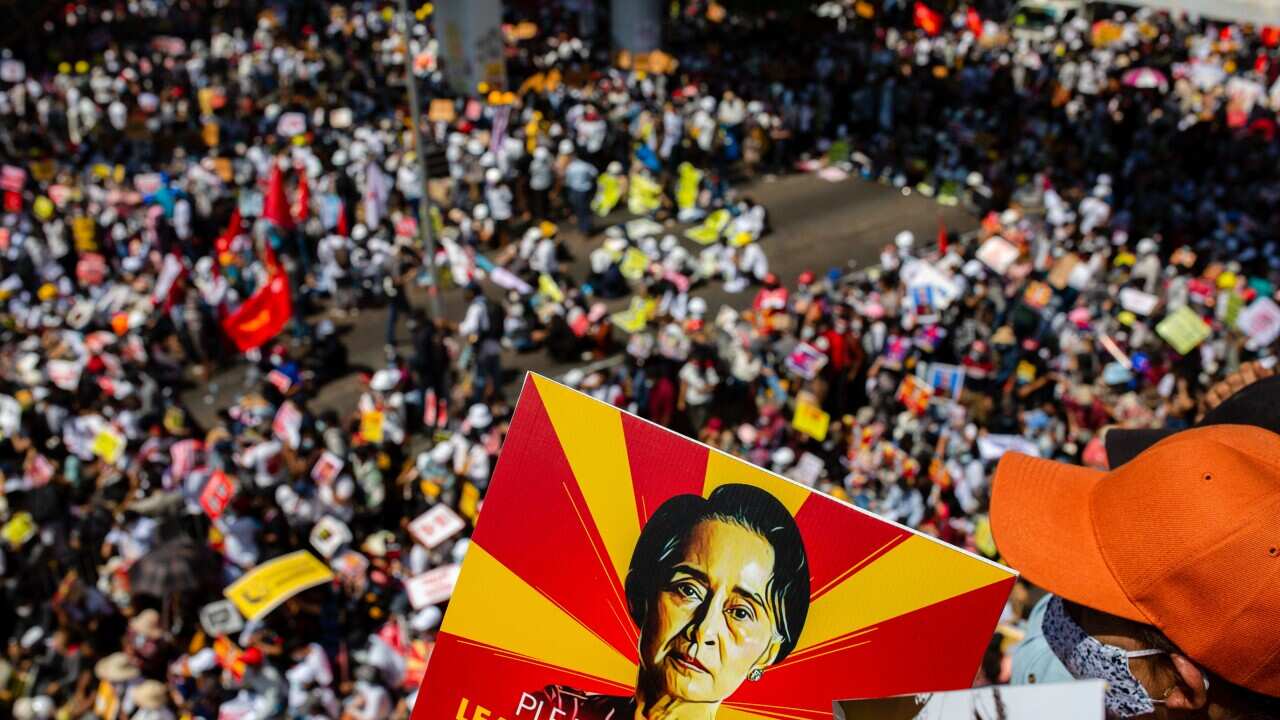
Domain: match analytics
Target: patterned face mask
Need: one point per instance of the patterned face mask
(1088, 658)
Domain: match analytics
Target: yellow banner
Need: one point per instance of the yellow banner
(263, 588)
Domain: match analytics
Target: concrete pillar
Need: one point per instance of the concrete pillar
(636, 25)
(471, 43)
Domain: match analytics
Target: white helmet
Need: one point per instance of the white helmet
(481, 212)
(566, 147)
(905, 240)
(615, 168)
(493, 176)
(697, 307)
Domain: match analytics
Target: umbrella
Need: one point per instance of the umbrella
(177, 566)
(1146, 79)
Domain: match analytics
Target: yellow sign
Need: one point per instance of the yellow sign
(371, 426)
(811, 420)
(108, 445)
(20, 528)
(1184, 330)
(83, 230)
(634, 264)
(265, 587)
(469, 502)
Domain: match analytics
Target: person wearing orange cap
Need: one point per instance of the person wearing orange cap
(1162, 571)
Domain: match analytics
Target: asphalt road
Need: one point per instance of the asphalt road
(816, 225)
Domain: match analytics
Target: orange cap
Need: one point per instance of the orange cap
(1184, 537)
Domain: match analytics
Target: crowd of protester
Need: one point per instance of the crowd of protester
(166, 162)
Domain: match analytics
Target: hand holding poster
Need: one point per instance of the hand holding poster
(1260, 321)
(998, 254)
(567, 591)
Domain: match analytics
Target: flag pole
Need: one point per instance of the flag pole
(425, 226)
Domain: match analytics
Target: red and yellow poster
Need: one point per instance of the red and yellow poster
(619, 568)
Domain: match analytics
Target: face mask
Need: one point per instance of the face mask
(1086, 657)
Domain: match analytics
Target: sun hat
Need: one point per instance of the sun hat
(116, 668)
(1181, 538)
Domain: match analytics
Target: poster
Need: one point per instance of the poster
(328, 535)
(998, 254)
(109, 445)
(218, 491)
(1051, 701)
(436, 525)
(1260, 321)
(263, 588)
(326, 468)
(433, 586)
(806, 361)
(914, 394)
(946, 380)
(560, 590)
(1183, 329)
(221, 618)
(811, 420)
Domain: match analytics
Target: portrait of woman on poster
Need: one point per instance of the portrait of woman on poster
(719, 587)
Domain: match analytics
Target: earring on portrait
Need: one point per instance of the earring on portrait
(755, 675)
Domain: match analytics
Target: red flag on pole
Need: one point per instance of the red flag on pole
(343, 230)
(262, 316)
(974, 21)
(223, 242)
(942, 237)
(927, 19)
(275, 207)
(304, 199)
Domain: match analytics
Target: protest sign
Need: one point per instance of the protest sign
(921, 275)
(263, 588)
(371, 426)
(328, 535)
(811, 420)
(1081, 700)
(218, 491)
(1138, 302)
(220, 619)
(1183, 329)
(998, 254)
(565, 571)
(807, 470)
(326, 468)
(433, 586)
(20, 528)
(469, 501)
(806, 361)
(1260, 321)
(109, 445)
(946, 380)
(914, 394)
(287, 424)
(291, 124)
(436, 525)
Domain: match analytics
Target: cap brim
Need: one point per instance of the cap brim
(1124, 445)
(1041, 523)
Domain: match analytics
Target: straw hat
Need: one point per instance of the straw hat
(147, 624)
(150, 695)
(116, 668)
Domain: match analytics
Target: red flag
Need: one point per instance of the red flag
(1271, 36)
(262, 316)
(223, 242)
(942, 237)
(343, 230)
(304, 199)
(927, 19)
(974, 21)
(275, 207)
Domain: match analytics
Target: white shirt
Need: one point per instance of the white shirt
(699, 384)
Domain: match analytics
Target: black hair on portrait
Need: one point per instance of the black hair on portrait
(657, 552)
